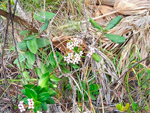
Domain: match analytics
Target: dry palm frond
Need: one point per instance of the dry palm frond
(136, 31)
(130, 7)
(107, 9)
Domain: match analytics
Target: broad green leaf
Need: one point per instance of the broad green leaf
(44, 105)
(43, 80)
(30, 57)
(30, 86)
(40, 16)
(96, 57)
(51, 92)
(30, 37)
(30, 93)
(41, 42)
(44, 26)
(37, 103)
(95, 24)
(43, 96)
(44, 89)
(113, 22)
(115, 38)
(50, 101)
(22, 46)
(32, 45)
(54, 78)
(134, 106)
(21, 58)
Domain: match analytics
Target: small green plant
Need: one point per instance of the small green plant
(114, 38)
(122, 108)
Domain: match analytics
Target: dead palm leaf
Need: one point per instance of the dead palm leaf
(130, 7)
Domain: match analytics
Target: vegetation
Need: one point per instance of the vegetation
(57, 57)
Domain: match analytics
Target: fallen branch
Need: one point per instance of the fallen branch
(20, 21)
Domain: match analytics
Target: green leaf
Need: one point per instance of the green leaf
(30, 37)
(95, 24)
(134, 106)
(93, 97)
(30, 57)
(30, 93)
(127, 106)
(44, 106)
(21, 58)
(51, 92)
(37, 103)
(146, 108)
(113, 22)
(40, 16)
(44, 26)
(54, 78)
(50, 101)
(38, 72)
(118, 106)
(32, 45)
(115, 38)
(96, 57)
(43, 96)
(22, 46)
(41, 42)
(44, 89)
(75, 66)
(122, 109)
(30, 86)
(26, 75)
(43, 80)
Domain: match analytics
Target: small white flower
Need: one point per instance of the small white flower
(70, 55)
(22, 109)
(80, 53)
(30, 104)
(21, 106)
(89, 54)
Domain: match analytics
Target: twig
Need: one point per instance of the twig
(15, 43)
(49, 34)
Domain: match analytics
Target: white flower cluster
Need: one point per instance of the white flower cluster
(21, 106)
(30, 105)
(74, 57)
(75, 42)
(92, 50)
